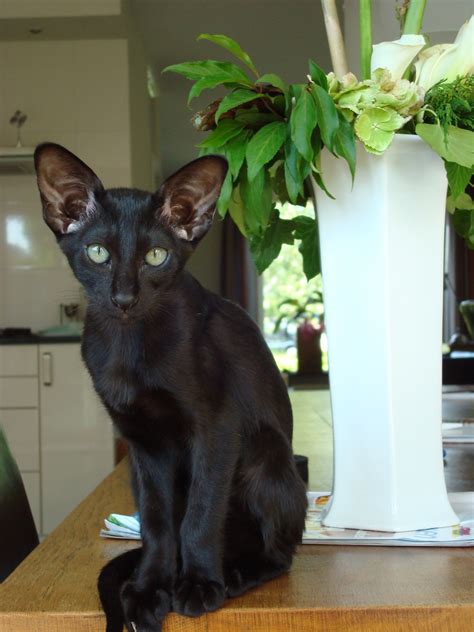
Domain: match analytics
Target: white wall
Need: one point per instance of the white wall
(142, 117)
(75, 93)
(442, 20)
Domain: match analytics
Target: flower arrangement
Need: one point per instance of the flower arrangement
(273, 134)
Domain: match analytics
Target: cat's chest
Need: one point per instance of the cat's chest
(123, 372)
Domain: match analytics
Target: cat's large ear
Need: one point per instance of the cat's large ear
(68, 188)
(188, 198)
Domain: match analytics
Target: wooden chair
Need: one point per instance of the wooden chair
(18, 534)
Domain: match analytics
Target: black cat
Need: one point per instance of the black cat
(189, 381)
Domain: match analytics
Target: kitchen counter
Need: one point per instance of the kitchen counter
(36, 339)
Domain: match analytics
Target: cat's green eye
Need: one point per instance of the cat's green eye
(97, 253)
(156, 256)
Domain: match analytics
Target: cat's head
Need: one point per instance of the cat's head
(127, 247)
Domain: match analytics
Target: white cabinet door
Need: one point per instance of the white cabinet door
(76, 433)
(18, 360)
(18, 392)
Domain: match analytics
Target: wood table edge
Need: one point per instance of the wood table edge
(429, 618)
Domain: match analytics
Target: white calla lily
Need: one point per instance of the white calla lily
(430, 63)
(447, 61)
(396, 56)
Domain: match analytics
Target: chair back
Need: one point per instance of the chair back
(18, 535)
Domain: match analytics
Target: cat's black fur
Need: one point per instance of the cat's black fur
(189, 381)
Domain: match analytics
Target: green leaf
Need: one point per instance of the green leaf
(344, 143)
(464, 224)
(316, 143)
(257, 199)
(307, 231)
(230, 45)
(206, 83)
(458, 178)
(236, 210)
(195, 70)
(264, 145)
(296, 89)
(328, 119)
(224, 197)
(303, 223)
(293, 171)
(273, 80)
(235, 152)
(318, 75)
(302, 122)
(457, 146)
(278, 183)
(266, 248)
(275, 167)
(226, 130)
(293, 186)
(279, 104)
(463, 201)
(234, 99)
(255, 118)
(320, 182)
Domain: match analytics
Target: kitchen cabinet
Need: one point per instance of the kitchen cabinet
(58, 431)
(19, 416)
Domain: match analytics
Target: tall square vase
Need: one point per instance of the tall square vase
(382, 242)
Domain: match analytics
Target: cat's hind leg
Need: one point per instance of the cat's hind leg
(247, 564)
(266, 523)
(252, 571)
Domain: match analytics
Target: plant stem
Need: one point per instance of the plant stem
(401, 13)
(414, 17)
(335, 39)
(365, 37)
(270, 108)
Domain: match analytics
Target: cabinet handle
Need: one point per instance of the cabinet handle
(47, 369)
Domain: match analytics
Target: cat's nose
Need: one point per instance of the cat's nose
(124, 300)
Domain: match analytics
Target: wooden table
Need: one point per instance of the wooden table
(330, 588)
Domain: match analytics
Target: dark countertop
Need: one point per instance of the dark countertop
(35, 339)
(458, 368)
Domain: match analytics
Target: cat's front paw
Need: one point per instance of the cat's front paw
(144, 610)
(194, 595)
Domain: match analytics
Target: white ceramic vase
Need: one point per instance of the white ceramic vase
(382, 243)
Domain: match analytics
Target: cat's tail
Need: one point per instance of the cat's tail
(110, 581)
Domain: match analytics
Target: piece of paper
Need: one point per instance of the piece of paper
(128, 527)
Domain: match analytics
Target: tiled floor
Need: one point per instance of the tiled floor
(312, 437)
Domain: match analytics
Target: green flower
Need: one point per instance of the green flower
(333, 84)
(348, 82)
(377, 107)
(383, 78)
(376, 127)
(357, 98)
(404, 97)
(381, 90)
